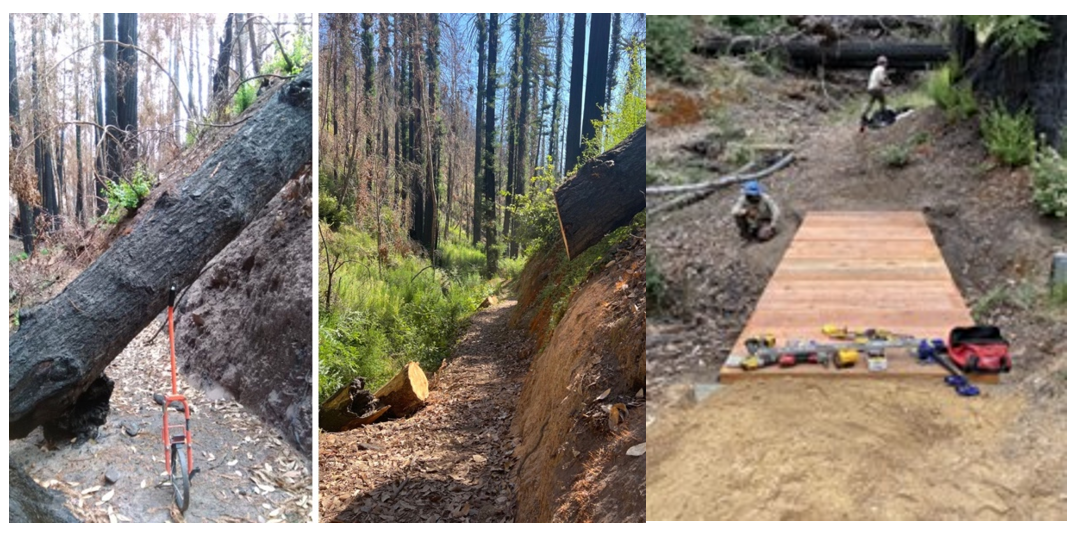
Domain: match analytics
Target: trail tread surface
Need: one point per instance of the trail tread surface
(449, 462)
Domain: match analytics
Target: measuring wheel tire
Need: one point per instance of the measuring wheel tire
(181, 482)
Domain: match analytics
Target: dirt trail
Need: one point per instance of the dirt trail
(452, 460)
(787, 449)
(826, 450)
(248, 473)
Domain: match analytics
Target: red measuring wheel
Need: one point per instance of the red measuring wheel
(178, 455)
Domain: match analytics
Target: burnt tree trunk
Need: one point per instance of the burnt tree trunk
(572, 148)
(61, 347)
(604, 195)
(1036, 79)
(839, 55)
(30, 502)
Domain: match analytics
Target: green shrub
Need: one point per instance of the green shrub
(896, 156)
(125, 196)
(537, 212)
(244, 97)
(380, 322)
(1049, 181)
(669, 40)
(957, 101)
(1009, 137)
(331, 213)
(655, 283)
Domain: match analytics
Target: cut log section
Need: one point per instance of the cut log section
(406, 392)
(64, 345)
(838, 55)
(606, 193)
(350, 407)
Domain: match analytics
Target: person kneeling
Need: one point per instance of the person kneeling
(756, 213)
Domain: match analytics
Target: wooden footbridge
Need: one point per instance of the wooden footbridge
(860, 270)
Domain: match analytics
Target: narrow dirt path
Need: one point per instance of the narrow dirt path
(248, 473)
(451, 461)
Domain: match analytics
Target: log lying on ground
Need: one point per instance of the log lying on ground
(406, 392)
(605, 194)
(64, 345)
(350, 407)
(839, 55)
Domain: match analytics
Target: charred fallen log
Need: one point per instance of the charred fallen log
(64, 345)
(604, 194)
(841, 54)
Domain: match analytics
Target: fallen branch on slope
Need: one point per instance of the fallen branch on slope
(722, 181)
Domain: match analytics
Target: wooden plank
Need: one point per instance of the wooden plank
(860, 270)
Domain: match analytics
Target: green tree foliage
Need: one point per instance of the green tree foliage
(537, 212)
(1017, 33)
(669, 40)
(629, 116)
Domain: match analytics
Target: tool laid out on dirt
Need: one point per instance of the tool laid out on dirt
(876, 361)
(955, 379)
(979, 349)
(178, 454)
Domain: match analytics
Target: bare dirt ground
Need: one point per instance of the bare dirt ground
(802, 450)
(248, 473)
(449, 462)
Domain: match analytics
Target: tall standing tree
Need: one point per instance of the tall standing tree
(614, 59)
(572, 146)
(255, 50)
(479, 124)
(515, 77)
(489, 185)
(100, 141)
(522, 174)
(43, 163)
(597, 65)
(220, 78)
(127, 98)
(80, 215)
(26, 212)
(239, 46)
(554, 135)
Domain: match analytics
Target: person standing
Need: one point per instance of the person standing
(876, 84)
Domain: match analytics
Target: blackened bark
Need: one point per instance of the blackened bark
(572, 148)
(554, 136)
(46, 177)
(597, 68)
(127, 98)
(479, 123)
(112, 132)
(489, 186)
(605, 194)
(220, 78)
(29, 502)
(65, 344)
(1035, 80)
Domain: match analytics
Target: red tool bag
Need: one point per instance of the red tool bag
(979, 349)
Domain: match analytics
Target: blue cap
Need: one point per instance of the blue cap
(752, 188)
